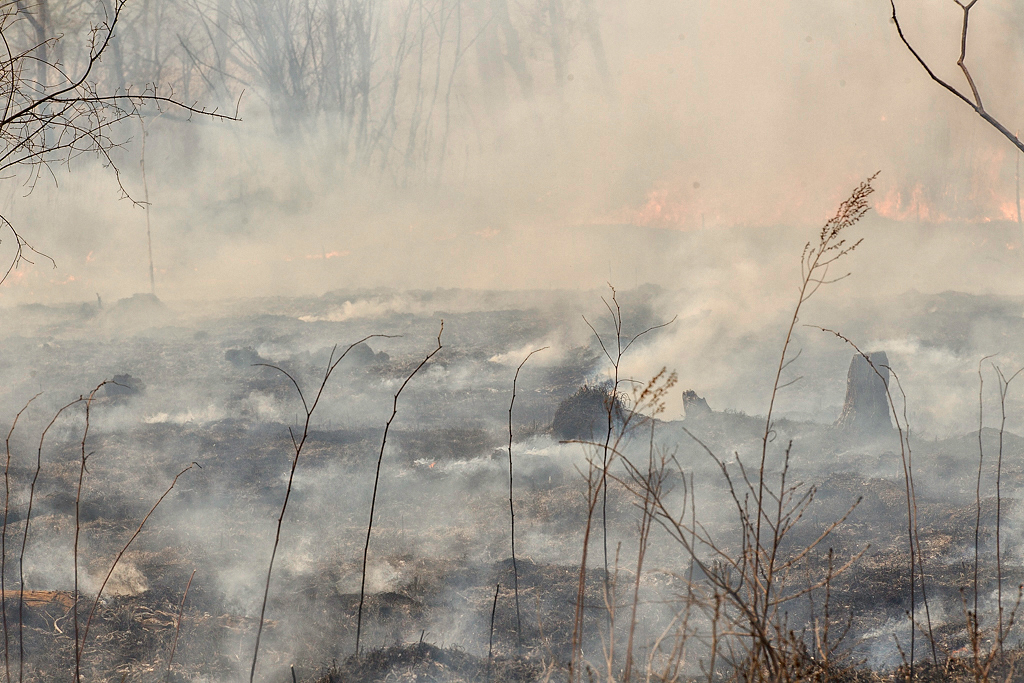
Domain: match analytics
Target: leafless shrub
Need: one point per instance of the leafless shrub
(743, 590)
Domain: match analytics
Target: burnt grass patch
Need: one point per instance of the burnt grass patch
(442, 546)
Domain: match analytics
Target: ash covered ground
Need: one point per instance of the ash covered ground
(190, 387)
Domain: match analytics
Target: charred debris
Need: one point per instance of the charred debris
(439, 604)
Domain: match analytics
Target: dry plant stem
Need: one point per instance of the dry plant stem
(916, 555)
(612, 402)
(177, 624)
(297, 446)
(973, 632)
(20, 247)
(729, 573)
(376, 482)
(1004, 388)
(644, 534)
(615, 312)
(815, 263)
(714, 636)
(650, 398)
(974, 102)
(1016, 177)
(3, 541)
(823, 648)
(977, 491)
(24, 540)
(690, 596)
(611, 610)
(593, 491)
(982, 662)
(490, 640)
(905, 435)
(511, 505)
(120, 554)
(83, 460)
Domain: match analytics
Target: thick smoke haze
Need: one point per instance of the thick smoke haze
(747, 115)
(507, 168)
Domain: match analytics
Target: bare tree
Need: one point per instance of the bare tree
(974, 99)
(54, 109)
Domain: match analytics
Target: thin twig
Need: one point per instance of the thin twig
(376, 482)
(177, 624)
(490, 641)
(977, 490)
(3, 540)
(309, 408)
(113, 565)
(975, 105)
(1004, 388)
(78, 528)
(511, 505)
(24, 539)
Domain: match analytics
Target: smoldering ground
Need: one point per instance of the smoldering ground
(689, 171)
(441, 540)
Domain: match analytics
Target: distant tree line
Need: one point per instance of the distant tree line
(387, 81)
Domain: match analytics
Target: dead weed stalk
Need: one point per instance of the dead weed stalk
(511, 504)
(297, 446)
(3, 540)
(376, 481)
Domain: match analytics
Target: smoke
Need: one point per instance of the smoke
(689, 181)
(572, 188)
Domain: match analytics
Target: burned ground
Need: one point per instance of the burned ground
(441, 544)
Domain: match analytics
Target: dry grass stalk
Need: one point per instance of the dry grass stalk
(120, 554)
(78, 524)
(644, 403)
(649, 399)
(490, 639)
(977, 492)
(982, 661)
(3, 540)
(611, 401)
(297, 446)
(376, 482)
(511, 505)
(24, 537)
(177, 623)
(593, 491)
(1004, 388)
(644, 532)
(611, 609)
(984, 658)
(815, 263)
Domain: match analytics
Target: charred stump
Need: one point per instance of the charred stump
(694, 406)
(866, 408)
